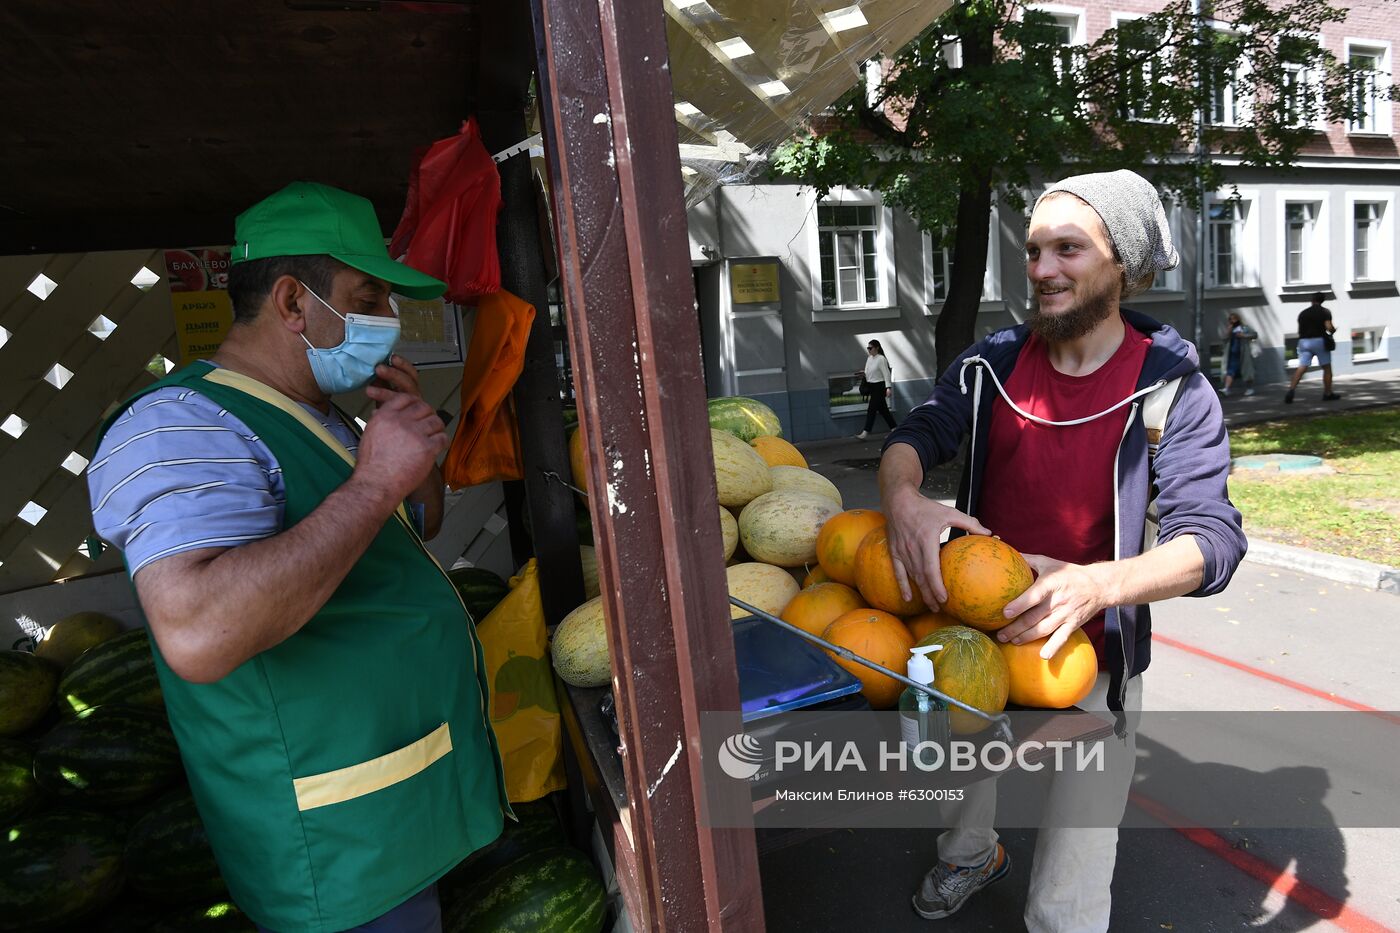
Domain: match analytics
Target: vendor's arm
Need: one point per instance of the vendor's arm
(212, 609)
(402, 376)
(1065, 596)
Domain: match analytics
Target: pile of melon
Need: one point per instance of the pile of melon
(771, 510)
(792, 551)
(852, 599)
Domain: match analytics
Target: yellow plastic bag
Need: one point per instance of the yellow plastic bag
(524, 708)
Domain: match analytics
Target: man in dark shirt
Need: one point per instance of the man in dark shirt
(1314, 326)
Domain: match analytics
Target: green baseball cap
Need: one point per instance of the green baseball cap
(307, 219)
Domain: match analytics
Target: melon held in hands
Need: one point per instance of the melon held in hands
(982, 574)
(1058, 683)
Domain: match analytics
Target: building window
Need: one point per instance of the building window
(1368, 341)
(1169, 279)
(1300, 221)
(1140, 67)
(843, 393)
(1300, 97)
(1067, 32)
(1226, 222)
(1369, 88)
(850, 264)
(1228, 104)
(1366, 215)
(940, 273)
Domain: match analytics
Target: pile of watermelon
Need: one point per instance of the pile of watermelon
(98, 830)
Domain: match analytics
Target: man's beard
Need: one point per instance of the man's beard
(1078, 320)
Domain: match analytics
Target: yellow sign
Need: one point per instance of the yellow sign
(202, 320)
(753, 283)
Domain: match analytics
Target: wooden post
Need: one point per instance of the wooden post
(610, 137)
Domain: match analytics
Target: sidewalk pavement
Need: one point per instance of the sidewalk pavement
(850, 463)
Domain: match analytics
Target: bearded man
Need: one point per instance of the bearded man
(1059, 468)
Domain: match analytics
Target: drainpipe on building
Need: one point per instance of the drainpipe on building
(1198, 285)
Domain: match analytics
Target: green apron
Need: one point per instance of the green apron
(346, 769)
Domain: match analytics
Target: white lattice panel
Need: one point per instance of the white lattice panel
(79, 320)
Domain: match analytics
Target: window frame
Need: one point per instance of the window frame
(884, 251)
(1074, 17)
(1117, 19)
(1241, 106)
(1381, 250)
(1314, 80)
(1246, 246)
(1384, 75)
(991, 278)
(1382, 350)
(1316, 266)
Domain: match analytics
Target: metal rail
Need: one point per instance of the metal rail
(1001, 721)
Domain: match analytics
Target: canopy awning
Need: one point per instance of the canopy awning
(136, 122)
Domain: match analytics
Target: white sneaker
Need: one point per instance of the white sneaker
(1248, 391)
(862, 436)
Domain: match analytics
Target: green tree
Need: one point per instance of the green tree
(991, 98)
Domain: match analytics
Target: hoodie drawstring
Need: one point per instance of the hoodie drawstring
(982, 364)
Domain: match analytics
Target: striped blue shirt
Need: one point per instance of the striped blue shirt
(176, 472)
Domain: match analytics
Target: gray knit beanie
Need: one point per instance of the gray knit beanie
(1132, 212)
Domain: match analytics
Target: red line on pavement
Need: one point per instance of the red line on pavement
(1284, 681)
(1279, 879)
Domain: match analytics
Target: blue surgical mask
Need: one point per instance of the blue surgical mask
(369, 340)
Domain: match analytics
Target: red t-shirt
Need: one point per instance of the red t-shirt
(1049, 490)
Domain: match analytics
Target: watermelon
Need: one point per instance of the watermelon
(537, 828)
(221, 916)
(108, 756)
(73, 635)
(745, 418)
(120, 670)
(554, 890)
(167, 854)
(57, 867)
(480, 589)
(26, 689)
(18, 792)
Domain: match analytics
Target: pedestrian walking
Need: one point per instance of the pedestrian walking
(1241, 346)
(877, 383)
(1315, 343)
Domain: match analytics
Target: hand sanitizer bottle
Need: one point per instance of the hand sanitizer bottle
(922, 717)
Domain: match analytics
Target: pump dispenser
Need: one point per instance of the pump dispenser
(923, 717)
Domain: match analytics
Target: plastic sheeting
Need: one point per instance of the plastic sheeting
(748, 74)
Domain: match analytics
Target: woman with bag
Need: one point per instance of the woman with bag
(877, 382)
(1241, 344)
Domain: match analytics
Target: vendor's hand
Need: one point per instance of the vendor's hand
(914, 526)
(400, 443)
(399, 375)
(889, 391)
(1062, 598)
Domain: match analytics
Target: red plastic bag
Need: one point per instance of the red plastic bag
(448, 228)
